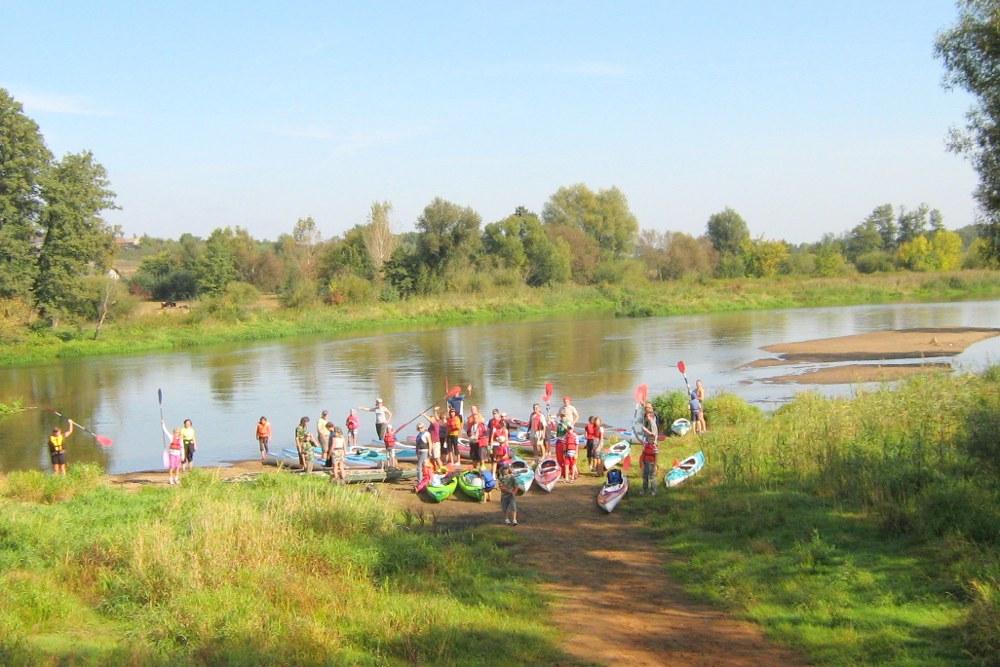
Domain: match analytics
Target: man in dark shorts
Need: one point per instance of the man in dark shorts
(57, 449)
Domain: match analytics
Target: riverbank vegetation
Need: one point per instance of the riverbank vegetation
(280, 570)
(861, 531)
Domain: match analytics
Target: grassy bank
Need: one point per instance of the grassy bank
(213, 323)
(863, 531)
(282, 570)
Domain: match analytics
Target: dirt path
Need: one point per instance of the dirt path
(607, 580)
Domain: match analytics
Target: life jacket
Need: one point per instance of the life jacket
(570, 440)
(389, 439)
(536, 422)
(352, 422)
(592, 431)
(263, 430)
(423, 442)
(649, 452)
(175, 443)
(55, 443)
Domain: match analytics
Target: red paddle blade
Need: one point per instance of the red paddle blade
(682, 367)
(455, 391)
(547, 396)
(641, 392)
(103, 441)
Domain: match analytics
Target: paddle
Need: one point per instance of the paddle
(454, 391)
(163, 434)
(102, 440)
(682, 367)
(547, 398)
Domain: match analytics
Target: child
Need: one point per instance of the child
(263, 436)
(489, 485)
(352, 424)
(479, 442)
(648, 462)
(389, 438)
(594, 434)
(57, 449)
(508, 499)
(175, 454)
(570, 471)
(696, 417)
(501, 454)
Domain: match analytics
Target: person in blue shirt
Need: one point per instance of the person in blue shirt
(457, 403)
(696, 409)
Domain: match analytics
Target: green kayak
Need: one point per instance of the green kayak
(471, 484)
(443, 491)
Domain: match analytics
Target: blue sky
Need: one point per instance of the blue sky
(803, 116)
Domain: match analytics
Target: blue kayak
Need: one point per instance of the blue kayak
(684, 470)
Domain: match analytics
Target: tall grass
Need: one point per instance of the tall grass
(863, 530)
(282, 570)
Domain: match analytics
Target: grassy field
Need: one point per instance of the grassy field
(862, 531)
(213, 322)
(282, 570)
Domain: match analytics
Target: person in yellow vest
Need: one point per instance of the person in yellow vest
(57, 449)
(190, 444)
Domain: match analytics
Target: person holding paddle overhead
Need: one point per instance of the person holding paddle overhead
(382, 416)
(57, 449)
(175, 454)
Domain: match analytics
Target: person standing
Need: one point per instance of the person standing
(175, 454)
(322, 432)
(436, 431)
(570, 412)
(383, 415)
(508, 497)
(336, 454)
(352, 424)
(595, 440)
(190, 444)
(536, 431)
(457, 403)
(570, 471)
(650, 450)
(57, 449)
(699, 393)
(481, 439)
(470, 423)
(696, 412)
(423, 445)
(454, 426)
(304, 443)
(390, 447)
(263, 436)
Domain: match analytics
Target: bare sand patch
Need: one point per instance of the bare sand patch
(857, 373)
(896, 344)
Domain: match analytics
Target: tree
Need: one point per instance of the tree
(971, 53)
(912, 223)
(604, 216)
(916, 254)
(77, 241)
(936, 220)
(503, 242)
(585, 250)
(449, 235)
(672, 255)
(946, 250)
(863, 239)
(728, 232)
(764, 258)
(378, 237)
(23, 158)
(884, 220)
(216, 267)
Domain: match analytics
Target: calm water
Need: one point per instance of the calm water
(596, 361)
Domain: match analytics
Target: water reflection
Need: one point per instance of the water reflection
(597, 361)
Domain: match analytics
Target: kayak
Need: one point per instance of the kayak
(441, 492)
(547, 473)
(614, 489)
(471, 483)
(689, 467)
(680, 426)
(523, 474)
(616, 454)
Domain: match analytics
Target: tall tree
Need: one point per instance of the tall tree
(912, 223)
(970, 50)
(379, 239)
(884, 219)
(23, 158)
(77, 241)
(216, 267)
(603, 215)
(728, 232)
(449, 235)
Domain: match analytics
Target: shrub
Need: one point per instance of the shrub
(669, 406)
(298, 292)
(350, 289)
(237, 302)
(15, 318)
(981, 630)
(876, 260)
(730, 410)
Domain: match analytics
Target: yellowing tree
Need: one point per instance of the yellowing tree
(916, 254)
(946, 250)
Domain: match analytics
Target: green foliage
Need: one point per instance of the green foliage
(916, 254)
(971, 53)
(35, 486)
(350, 289)
(77, 242)
(299, 291)
(728, 232)
(604, 216)
(946, 250)
(16, 316)
(876, 260)
(216, 266)
(238, 302)
(449, 236)
(164, 277)
(192, 574)
(731, 266)
(673, 255)
(731, 410)
(584, 251)
(671, 406)
(23, 159)
(763, 259)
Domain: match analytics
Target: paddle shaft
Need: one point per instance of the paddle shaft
(76, 423)
(163, 435)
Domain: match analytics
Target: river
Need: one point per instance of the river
(596, 360)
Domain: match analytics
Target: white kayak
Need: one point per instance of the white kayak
(616, 454)
(547, 473)
(680, 427)
(684, 470)
(614, 489)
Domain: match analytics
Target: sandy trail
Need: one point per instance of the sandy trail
(607, 580)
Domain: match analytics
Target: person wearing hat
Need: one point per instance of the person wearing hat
(423, 447)
(382, 417)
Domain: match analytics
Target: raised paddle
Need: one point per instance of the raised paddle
(102, 440)
(682, 367)
(547, 398)
(454, 391)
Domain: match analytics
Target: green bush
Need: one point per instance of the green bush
(238, 302)
(669, 406)
(350, 289)
(981, 630)
(730, 410)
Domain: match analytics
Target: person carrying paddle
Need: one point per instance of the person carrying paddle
(650, 450)
(175, 454)
(536, 431)
(423, 446)
(508, 497)
(190, 444)
(57, 449)
(304, 443)
(454, 426)
(382, 416)
(263, 436)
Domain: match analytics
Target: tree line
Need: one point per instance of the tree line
(56, 250)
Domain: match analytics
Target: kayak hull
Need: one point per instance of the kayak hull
(685, 470)
(471, 484)
(611, 494)
(680, 427)
(616, 454)
(547, 473)
(441, 492)
(524, 476)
